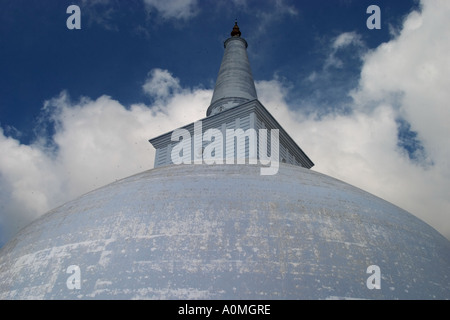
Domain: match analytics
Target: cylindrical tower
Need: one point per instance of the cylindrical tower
(234, 83)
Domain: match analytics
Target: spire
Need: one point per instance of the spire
(234, 84)
(235, 32)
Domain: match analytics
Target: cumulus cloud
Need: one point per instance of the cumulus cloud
(96, 141)
(411, 73)
(161, 84)
(405, 78)
(361, 148)
(415, 66)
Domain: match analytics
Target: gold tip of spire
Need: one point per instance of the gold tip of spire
(235, 32)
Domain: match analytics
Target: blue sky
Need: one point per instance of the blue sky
(121, 41)
(347, 94)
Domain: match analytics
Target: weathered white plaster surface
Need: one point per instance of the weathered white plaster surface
(234, 84)
(226, 232)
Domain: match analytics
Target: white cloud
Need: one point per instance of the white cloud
(361, 149)
(407, 77)
(345, 39)
(24, 175)
(174, 9)
(161, 84)
(340, 42)
(416, 65)
(96, 142)
(411, 72)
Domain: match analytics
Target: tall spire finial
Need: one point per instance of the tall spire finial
(235, 32)
(234, 84)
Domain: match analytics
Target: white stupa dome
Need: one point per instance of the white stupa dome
(226, 232)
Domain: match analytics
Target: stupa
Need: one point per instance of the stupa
(197, 229)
